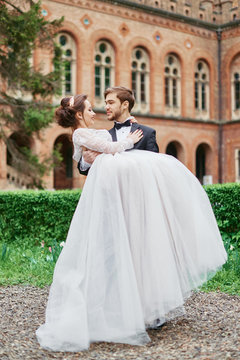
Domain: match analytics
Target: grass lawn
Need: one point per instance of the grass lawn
(34, 266)
(20, 265)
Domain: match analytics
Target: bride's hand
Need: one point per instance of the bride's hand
(136, 135)
(133, 120)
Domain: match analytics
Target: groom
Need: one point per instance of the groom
(119, 103)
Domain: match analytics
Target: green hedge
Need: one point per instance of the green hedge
(35, 216)
(225, 200)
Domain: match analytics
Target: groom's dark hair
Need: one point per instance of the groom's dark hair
(123, 94)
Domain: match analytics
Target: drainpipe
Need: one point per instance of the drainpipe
(220, 127)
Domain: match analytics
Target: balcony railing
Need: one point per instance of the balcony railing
(17, 180)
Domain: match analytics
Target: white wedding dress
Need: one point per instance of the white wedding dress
(142, 237)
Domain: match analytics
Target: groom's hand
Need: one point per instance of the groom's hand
(90, 155)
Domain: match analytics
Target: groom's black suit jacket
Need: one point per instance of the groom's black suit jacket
(148, 141)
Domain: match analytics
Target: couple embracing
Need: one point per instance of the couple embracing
(142, 237)
(119, 103)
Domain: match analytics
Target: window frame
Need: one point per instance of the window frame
(140, 78)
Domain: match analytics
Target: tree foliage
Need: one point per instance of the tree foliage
(26, 92)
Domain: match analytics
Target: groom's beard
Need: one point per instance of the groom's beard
(114, 116)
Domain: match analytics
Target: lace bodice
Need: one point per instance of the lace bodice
(98, 140)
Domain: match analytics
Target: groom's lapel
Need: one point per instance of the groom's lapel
(138, 145)
(113, 134)
(134, 127)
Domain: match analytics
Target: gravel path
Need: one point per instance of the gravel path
(209, 331)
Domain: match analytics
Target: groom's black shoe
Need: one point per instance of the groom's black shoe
(157, 325)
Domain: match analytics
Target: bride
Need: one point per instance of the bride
(142, 237)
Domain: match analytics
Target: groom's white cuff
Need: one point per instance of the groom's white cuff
(84, 165)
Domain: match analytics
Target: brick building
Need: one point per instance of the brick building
(182, 59)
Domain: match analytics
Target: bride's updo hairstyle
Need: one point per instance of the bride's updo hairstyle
(66, 113)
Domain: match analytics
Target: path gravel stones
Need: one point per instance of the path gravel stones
(210, 330)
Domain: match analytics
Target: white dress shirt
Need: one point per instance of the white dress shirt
(122, 133)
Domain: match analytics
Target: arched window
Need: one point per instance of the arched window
(204, 163)
(172, 149)
(201, 76)
(172, 79)
(140, 79)
(200, 163)
(235, 77)
(175, 149)
(68, 46)
(236, 80)
(104, 69)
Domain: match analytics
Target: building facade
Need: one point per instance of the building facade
(181, 58)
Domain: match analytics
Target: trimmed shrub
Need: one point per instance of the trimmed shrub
(225, 200)
(30, 217)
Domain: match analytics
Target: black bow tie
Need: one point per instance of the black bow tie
(118, 126)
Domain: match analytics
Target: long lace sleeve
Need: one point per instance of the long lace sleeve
(94, 140)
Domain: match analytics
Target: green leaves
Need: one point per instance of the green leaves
(31, 217)
(27, 109)
(225, 201)
(36, 118)
(22, 30)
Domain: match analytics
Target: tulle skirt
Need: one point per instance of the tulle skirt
(142, 237)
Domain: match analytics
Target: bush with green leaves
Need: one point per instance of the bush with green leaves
(31, 217)
(225, 200)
